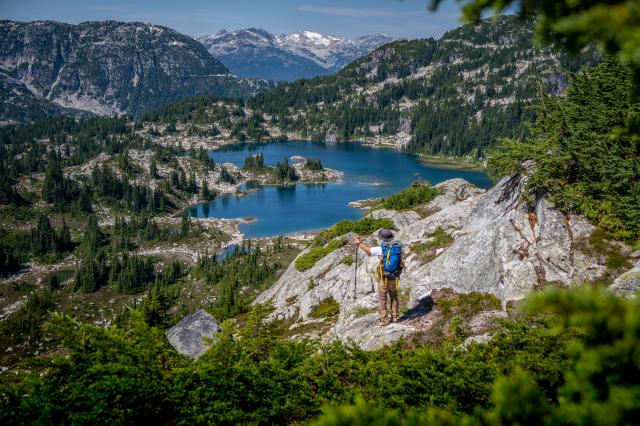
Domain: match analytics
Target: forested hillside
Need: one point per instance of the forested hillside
(517, 304)
(454, 95)
(106, 68)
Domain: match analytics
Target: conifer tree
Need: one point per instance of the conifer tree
(204, 190)
(153, 168)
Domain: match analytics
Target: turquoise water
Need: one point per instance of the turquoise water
(368, 173)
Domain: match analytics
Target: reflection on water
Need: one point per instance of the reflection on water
(368, 173)
(286, 193)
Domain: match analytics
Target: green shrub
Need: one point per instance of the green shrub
(440, 239)
(26, 321)
(594, 167)
(571, 356)
(307, 260)
(364, 226)
(600, 243)
(313, 164)
(347, 260)
(419, 192)
(327, 308)
(467, 305)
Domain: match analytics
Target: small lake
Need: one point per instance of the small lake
(368, 173)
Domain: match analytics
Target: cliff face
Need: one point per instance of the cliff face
(477, 241)
(112, 67)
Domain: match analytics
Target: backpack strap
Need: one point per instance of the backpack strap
(389, 252)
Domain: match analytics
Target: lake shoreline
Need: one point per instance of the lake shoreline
(369, 172)
(448, 162)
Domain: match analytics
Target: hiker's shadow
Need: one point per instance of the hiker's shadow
(423, 307)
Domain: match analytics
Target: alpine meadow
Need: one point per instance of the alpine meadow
(304, 220)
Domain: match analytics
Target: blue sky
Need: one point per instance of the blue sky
(348, 18)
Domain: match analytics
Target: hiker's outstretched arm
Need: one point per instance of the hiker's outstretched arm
(358, 242)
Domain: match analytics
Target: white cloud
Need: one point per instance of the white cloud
(359, 12)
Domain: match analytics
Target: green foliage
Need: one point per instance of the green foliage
(326, 309)
(155, 306)
(136, 198)
(285, 172)
(596, 384)
(246, 268)
(594, 168)
(439, 239)
(111, 376)
(254, 163)
(613, 25)
(468, 305)
(310, 258)
(347, 260)
(225, 176)
(572, 361)
(56, 189)
(26, 323)
(600, 243)
(130, 274)
(44, 239)
(419, 192)
(15, 247)
(364, 226)
(313, 164)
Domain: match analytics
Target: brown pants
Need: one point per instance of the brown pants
(384, 289)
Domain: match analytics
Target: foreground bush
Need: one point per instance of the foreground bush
(573, 359)
(419, 192)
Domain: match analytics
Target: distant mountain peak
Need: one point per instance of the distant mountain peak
(254, 52)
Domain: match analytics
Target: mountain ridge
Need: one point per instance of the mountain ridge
(450, 96)
(255, 52)
(112, 67)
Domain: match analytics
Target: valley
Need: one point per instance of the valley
(187, 232)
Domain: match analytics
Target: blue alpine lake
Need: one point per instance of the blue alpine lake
(281, 210)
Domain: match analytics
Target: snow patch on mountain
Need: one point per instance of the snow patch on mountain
(257, 53)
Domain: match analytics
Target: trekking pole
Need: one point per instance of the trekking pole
(355, 275)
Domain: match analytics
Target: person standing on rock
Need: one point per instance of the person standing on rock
(389, 253)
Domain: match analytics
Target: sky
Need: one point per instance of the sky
(345, 18)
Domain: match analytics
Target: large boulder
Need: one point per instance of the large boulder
(495, 244)
(188, 335)
(627, 284)
(501, 246)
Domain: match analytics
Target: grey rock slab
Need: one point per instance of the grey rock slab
(367, 334)
(482, 339)
(187, 336)
(455, 190)
(627, 284)
(400, 219)
(501, 246)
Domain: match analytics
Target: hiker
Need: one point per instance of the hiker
(389, 253)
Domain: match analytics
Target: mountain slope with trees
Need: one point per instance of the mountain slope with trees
(566, 355)
(454, 95)
(110, 67)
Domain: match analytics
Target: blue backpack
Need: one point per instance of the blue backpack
(391, 263)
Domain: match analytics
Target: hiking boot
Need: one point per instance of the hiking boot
(394, 318)
(384, 321)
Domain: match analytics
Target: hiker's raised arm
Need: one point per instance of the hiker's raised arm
(358, 242)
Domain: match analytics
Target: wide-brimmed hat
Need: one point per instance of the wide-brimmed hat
(385, 235)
